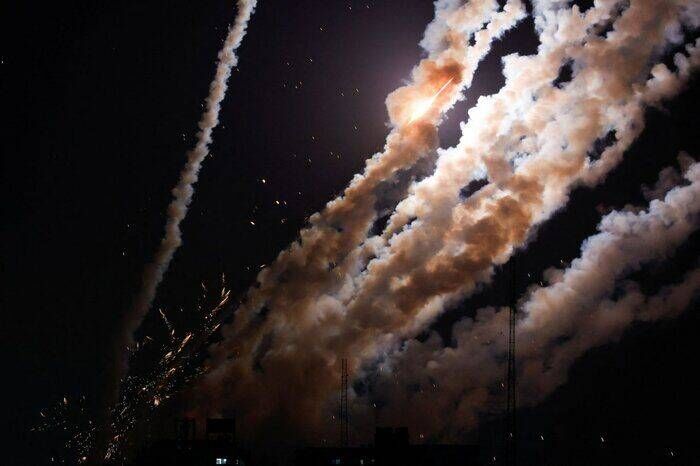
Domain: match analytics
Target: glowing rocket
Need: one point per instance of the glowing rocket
(423, 105)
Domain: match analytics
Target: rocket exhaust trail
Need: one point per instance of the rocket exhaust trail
(183, 191)
(395, 285)
(422, 106)
(458, 60)
(182, 197)
(587, 304)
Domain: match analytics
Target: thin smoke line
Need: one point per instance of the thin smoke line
(182, 197)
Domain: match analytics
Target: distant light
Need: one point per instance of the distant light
(222, 461)
(420, 108)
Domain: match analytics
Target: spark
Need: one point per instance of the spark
(422, 106)
(186, 339)
(165, 320)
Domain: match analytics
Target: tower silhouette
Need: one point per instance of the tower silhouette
(344, 417)
(510, 431)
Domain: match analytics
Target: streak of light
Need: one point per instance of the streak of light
(422, 106)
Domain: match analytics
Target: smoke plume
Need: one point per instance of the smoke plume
(328, 248)
(182, 196)
(558, 323)
(344, 290)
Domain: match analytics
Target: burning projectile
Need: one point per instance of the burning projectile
(423, 105)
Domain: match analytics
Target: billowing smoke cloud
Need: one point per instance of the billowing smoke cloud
(337, 230)
(311, 267)
(341, 293)
(182, 195)
(669, 178)
(559, 322)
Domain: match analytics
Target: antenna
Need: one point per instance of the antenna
(344, 418)
(510, 432)
(511, 402)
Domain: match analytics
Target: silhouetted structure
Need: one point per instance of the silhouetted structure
(510, 432)
(221, 430)
(344, 417)
(218, 447)
(391, 448)
(185, 430)
(391, 437)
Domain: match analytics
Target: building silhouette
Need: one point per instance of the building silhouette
(216, 448)
(391, 448)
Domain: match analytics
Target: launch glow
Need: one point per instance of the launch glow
(422, 106)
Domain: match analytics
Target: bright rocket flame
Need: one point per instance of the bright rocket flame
(422, 106)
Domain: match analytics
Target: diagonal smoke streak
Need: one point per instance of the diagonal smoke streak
(327, 297)
(182, 196)
(336, 231)
(184, 190)
(453, 242)
(484, 229)
(301, 273)
(561, 321)
(670, 82)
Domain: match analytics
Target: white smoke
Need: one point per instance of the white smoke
(669, 178)
(182, 196)
(339, 293)
(184, 190)
(559, 323)
(303, 272)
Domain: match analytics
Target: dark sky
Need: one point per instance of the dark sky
(101, 102)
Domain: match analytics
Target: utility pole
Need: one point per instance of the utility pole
(510, 431)
(511, 437)
(344, 418)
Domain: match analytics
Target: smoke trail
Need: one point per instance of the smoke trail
(531, 140)
(183, 191)
(301, 274)
(302, 270)
(485, 228)
(182, 194)
(574, 313)
(453, 243)
(533, 157)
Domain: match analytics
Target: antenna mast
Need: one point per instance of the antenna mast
(510, 432)
(344, 418)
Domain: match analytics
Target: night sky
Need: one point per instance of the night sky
(101, 102)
